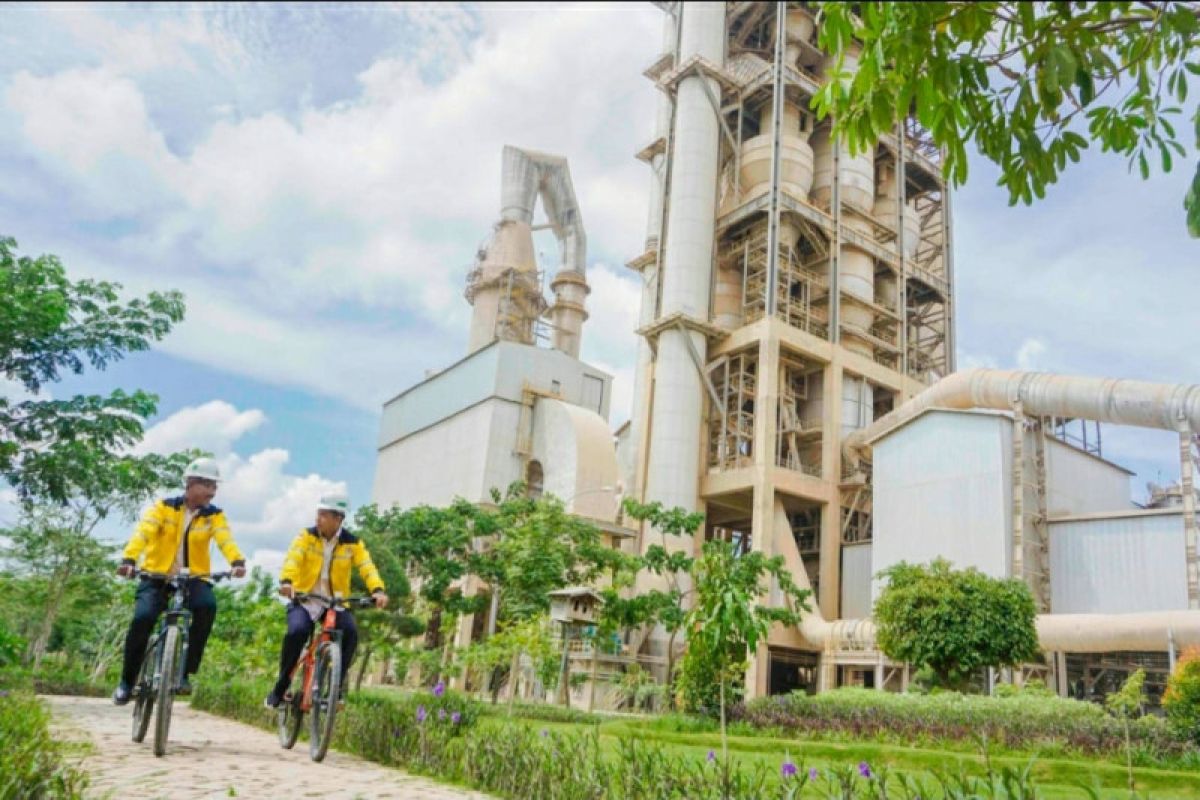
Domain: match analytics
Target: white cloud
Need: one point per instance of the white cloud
(265, 503)
(608, 341)
(212, 427)
(135, 48)
(368, 208)
(91, 127)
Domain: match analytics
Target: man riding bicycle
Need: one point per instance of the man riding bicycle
(177, 533)
(318, 564)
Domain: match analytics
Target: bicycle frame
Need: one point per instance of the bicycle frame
(178, 614)
(157, 685)
(328, 633)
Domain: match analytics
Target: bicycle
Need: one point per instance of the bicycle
(166, 656)
(315, 682)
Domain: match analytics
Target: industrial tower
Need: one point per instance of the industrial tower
(793, 292)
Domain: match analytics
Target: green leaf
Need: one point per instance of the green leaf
(1086, 86)
(1191, 205)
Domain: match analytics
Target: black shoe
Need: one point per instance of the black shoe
(273, 700)
(122, 694)
(185, 687)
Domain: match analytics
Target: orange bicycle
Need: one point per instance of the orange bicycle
(316, 680)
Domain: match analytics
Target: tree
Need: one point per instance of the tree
(432, 547)
(383, 630)
(1181, 700)
(1125, 704)
(48, 325)
(53, 542)
(955, 622)
(523, 548)
(727, 622)
(1022, 81)
(656, 606)
(532, 547)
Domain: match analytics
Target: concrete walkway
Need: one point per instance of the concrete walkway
(211, 757)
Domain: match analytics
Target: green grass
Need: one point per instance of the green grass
(1056, 777)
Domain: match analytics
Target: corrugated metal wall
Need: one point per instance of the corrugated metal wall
(1082, 484)
(1118, 564)
(941, 488)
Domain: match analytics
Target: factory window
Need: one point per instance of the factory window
(534, 479)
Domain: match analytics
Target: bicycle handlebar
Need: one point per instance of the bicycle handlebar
(215, 577)
(356, 602)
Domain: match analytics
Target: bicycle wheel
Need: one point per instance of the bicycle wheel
(166, 689)
(290, 712)
(326, 684)
(143, 693)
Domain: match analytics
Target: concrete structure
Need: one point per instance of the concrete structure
(512, 410)
(797, 304)
(792, 295)
(795, 381)
(507, 412)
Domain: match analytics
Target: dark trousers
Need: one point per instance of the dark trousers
(151, 601)
(299, 626)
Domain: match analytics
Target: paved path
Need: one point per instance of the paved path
(211, 757)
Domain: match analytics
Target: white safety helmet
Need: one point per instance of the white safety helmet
(203, 468)
(336, 502)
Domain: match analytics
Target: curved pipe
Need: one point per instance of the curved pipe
(1123, 402)
(526, 175)
(1143, 404)
(1066, 633)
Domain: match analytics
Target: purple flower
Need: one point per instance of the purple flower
(712, 756)
(813, 774)
(420, 714)
(788, 769)
(442, 714)
(864, 769)
(3, 692)
(439, 688)
(545, 733)
(456, 717)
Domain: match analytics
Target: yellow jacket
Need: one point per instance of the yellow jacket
(302, 567)
(156, 538)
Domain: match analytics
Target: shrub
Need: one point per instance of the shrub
(1025, 721)
(522, 761)
(53, 678)
(31, 760)
(378, 724)
(955, 622)
(541, 711)
(1181, 701)
(11, 646)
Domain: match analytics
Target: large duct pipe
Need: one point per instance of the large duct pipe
(525, 175)
(676, 415)
(1041, 394)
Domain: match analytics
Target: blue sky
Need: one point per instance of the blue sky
(316, 179)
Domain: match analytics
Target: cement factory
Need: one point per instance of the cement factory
(795, 381)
